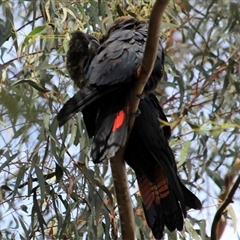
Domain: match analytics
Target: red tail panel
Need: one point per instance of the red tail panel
(153, 192)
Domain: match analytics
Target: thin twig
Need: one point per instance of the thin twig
(227, 201)
(89, 180)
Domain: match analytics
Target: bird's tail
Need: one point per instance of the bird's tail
(190, 199)
(160, 204)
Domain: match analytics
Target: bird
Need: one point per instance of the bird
(148, 153)
(105, 74)
(103, 97)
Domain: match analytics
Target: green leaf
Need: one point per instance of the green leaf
(183, 154)
(36, 209)
(191, 230)
(46, 120)
(232, 214)
(59, 172)
(20, 176)
(24, 208)
(36, 31)
(65, 222)
(72, 134)
(16, 222)
(216, 178)
(6, 26)
(33, 34)
(6, 188)
(33, 84)
(41, 181)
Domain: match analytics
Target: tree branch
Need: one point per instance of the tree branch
(150, 53)
(117, 162)
(227, 201)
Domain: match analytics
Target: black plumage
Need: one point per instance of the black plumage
(104, 71)
(164, 196)
(107, 81)
(82, 49)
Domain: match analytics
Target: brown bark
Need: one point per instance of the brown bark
(117, 162)
(226, 198)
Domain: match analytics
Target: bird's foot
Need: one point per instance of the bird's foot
(140, 96)
(136, 114)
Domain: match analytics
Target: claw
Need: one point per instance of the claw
(140, 96)
(136, 114)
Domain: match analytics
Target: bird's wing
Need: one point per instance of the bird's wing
(153, 144)
(148, 153)
(120, 55)
(83, 98)
(111, 125)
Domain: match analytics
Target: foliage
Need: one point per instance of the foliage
(48, 183)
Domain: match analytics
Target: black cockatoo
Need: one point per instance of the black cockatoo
(106, 77)
(164, 196)
(104, 71)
